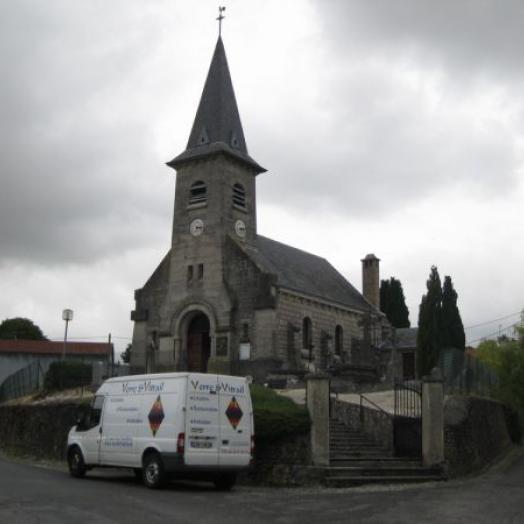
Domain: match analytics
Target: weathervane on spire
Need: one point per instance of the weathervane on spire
(221, 17)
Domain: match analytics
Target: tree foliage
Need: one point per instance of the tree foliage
(429, 321)
(506, 358)
(439, 322)
(126, 355)
(452, 329)
(393, 303)
(21, 329)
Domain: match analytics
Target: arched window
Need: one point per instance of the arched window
(198, 193)
(239, 195)
(307, 337)
(339, 340)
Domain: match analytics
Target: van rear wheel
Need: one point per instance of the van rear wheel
(153, 473)
(75, 461)
(225, 482)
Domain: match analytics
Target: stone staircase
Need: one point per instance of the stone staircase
(357, 460)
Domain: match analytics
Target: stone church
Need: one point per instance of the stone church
(225, 299)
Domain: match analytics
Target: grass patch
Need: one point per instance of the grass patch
(276, 416)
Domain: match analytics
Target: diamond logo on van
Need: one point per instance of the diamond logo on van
(234, 413)
(156, 415)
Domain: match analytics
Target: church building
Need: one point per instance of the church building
(226, 299)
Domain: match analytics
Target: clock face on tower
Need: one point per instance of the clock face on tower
(240, 228)
(196, 227)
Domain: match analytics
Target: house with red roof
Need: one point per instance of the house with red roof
(18, 354)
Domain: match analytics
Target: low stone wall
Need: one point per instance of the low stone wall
(38, 430)
(475, 432)
(374, 423)
(283, 463)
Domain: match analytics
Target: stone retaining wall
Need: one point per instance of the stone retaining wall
(38, 430)
(476, 431)
(283, 463)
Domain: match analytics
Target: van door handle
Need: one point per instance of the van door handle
(225, 442)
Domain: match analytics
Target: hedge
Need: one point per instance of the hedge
(67, 374)
(277, 417)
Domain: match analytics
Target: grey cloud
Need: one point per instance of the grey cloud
(78, 170)
(485, 36)
(381, 148)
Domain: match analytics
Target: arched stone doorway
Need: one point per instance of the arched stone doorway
(198, 343)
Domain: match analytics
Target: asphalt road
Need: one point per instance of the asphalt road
(31, 494)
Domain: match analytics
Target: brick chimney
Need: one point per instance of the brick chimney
(371, 279)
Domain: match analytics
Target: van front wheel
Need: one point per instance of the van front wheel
(225, 482)
(153, 471)
(75, 461)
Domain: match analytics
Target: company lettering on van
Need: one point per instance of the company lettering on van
(148, 386)
(226, 387)
(204, 388)
(232, 388)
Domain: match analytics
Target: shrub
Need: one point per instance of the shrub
(67, 374)
(276, 416)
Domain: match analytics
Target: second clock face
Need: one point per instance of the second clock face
(240, 228)
(196, 227)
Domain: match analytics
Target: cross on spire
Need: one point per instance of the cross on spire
(221, 17)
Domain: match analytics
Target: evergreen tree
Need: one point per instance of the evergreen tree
(452, 329)
(429, 325)
(21, 329)
(393, 303)
(126, 355)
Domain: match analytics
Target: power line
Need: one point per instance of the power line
(491, 321)
(494, 333)
(104, 337)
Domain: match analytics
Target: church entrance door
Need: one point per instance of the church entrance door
(198, 344)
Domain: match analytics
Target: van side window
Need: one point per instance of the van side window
(95, 412)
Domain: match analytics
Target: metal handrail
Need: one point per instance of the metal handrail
(373, 403)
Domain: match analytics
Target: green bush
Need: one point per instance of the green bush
(276, 416)
(67, 374)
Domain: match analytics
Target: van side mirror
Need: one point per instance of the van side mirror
(80, 420)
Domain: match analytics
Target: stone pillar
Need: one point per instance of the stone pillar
(317, 398)
(433, 419)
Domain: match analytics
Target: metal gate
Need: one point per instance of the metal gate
(407, 422)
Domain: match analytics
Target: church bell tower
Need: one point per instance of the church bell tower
(215, 203)
(215, 189)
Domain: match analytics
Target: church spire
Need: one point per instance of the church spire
(217, 126)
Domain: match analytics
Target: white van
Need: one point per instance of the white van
(188, 425)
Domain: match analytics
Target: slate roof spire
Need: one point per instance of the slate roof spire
(217, 126)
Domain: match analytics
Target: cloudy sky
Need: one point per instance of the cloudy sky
(394, 128)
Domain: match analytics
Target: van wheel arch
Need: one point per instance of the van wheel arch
(76, 462)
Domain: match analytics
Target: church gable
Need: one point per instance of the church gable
(154, 290)
(251, 286)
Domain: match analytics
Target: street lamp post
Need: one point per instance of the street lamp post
(67, 315)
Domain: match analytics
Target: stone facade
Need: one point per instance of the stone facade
(225, 299)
